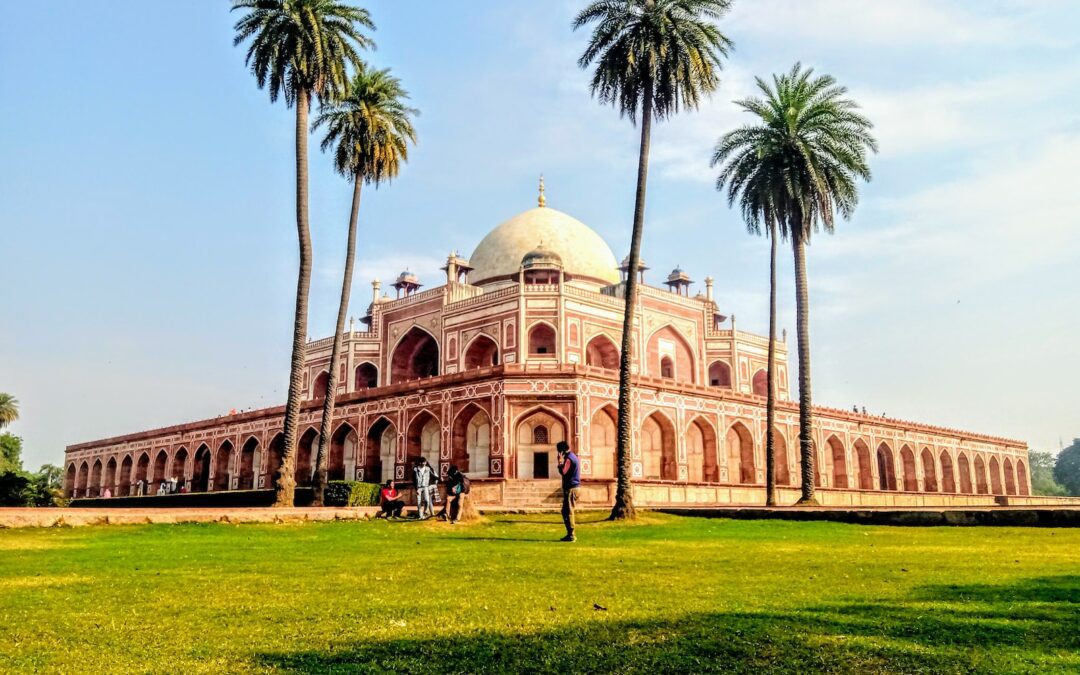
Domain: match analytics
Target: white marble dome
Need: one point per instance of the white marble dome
(584, 253)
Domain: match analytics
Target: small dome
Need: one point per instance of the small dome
(407, 277)
(580, 250)
(541, 257)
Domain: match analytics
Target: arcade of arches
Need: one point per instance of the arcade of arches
(695, 452)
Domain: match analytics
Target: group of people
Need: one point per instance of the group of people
(426, 481)
(166, 487)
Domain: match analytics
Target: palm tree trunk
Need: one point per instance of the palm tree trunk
(319, 483)
(770, 401)
(802, 318)
(624, 496)
(285, 481)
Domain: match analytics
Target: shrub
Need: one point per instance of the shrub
(351, 493)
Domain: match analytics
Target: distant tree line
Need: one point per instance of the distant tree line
(1056, 476)
(17, 486)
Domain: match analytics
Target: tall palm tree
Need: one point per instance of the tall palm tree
(369, 129)
(651, 57)
(299, 49)
(753, 179)
(9, 409)
(812, 146)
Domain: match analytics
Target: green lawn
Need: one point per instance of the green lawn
(679, 594)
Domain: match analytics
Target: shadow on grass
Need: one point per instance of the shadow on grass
(1027, 626)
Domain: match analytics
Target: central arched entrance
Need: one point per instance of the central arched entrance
(246, 472)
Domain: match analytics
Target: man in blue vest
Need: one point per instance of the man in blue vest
(570, 469)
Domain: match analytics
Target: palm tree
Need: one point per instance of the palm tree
(9, 409)
(811, 146)
(651, 56)
(370, 129)
(752, 178)
(299, 49)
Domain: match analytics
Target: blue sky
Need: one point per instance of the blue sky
(147, 192)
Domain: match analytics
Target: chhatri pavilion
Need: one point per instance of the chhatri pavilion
(516, 350)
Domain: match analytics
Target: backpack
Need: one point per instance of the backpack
(465, 486)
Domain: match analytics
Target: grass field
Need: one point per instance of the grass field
(678, 594)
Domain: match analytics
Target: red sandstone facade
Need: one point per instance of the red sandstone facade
(517, 351)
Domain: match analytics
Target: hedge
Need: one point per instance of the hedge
(351, 493)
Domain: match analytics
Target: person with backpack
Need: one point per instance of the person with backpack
(457, 484)
(425, 480)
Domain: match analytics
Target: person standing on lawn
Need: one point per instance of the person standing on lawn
(424, 479)
(570, 469)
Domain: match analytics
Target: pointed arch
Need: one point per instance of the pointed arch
(380, 457)
(366, 376)
(246, 471)
(911, 476)
(161, 462)
(603, 441)
(1010, 477)
(123, 488)
(423, 438)
(275, 457)
(481, 352)
(720, 374)
(657, 434)
(740, 452)
(342, 444)
(667, 341)
(948, 476)
(980, 475)
(82, 482)
(95, 479)
(863, 467)
(761, 383)
(415, 356)
(601, 352)
(306, 448)
(318, 385)
(995, 476)
(542, 339)
(222, 466)
(535, 450)
(69, 480)
(701, 460)
(178, 468)
(470, 441)
(929, 468)
(1021, 478)
(839, 462)
(964, 469)
(109, 480)
(886, 468)
(200, 469)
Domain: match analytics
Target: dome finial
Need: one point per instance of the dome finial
(541, 200)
